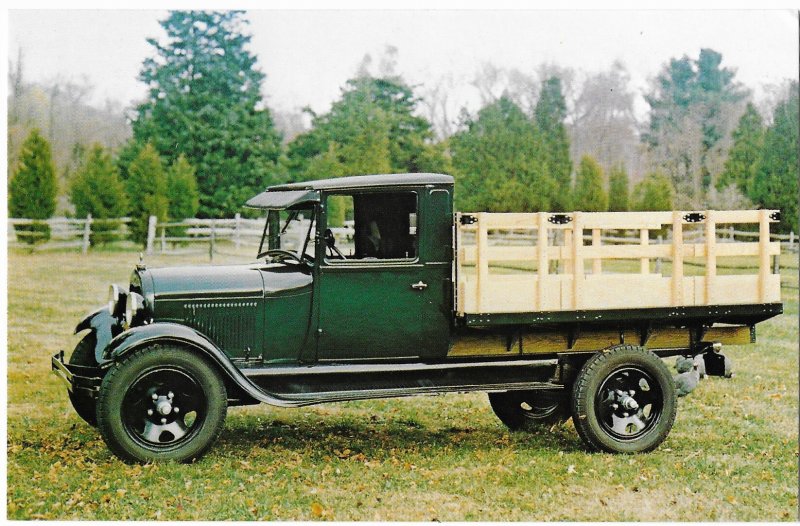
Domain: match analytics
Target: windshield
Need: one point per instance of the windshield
(289, 230)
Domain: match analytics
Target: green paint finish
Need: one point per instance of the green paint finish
(391, 309)
(371, 312)
(286, 327)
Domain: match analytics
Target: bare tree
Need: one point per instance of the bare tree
(603, 120)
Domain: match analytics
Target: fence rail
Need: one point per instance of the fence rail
(64, 232)
(182, 237)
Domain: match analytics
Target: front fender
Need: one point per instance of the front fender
(105, 327)
(153, 333)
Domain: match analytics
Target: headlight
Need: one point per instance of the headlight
(133, 307)
(113, 298)
(116, 301)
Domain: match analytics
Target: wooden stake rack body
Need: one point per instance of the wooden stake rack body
(553, 277)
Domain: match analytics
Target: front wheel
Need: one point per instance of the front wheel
(623, 400)
(83, 355)
(161, 403)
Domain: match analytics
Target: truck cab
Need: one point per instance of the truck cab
(387, 294)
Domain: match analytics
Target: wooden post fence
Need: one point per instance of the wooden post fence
(87, 231)
(151, 233)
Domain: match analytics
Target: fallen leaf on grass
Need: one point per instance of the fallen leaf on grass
(316, 509)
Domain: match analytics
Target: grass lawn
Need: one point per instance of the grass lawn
(732, 454)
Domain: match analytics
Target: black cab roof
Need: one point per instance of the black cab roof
(283, 196)
(363, 181)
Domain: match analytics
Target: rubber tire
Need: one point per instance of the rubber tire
(589, 380)
(83, 354)
(120, 378)
(507, 407)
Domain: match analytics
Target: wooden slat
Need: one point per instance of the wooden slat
(627, 251)
(736, 249)
(742, 216)
(644, 238)
(763, 254)
(711, 256)
(482, 261)
(677, 259)
(597, 263)
(543, 261)
(626, 220)
(577, 260)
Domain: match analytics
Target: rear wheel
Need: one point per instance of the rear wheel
(623, 400)
(83, 355)
(529, 410)
(161, 403)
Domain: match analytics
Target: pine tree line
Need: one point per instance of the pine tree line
(204, 141)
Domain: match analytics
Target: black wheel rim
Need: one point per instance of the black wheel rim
(164, 408)
(629, 403)
(538, 408)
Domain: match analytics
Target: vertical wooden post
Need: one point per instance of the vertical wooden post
(163, 239)
(87, 230)
(543, 263)
(677, 258)
(711, 256)
(577, 259)
(658, 260)
(644, 240)
(763, 254)
(151, 233)
(791, 240)
(212, 240)
(597, 263)
(482, 261)
(236, 227)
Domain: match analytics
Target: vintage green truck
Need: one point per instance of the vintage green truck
(423, 301)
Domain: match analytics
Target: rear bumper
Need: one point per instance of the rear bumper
(80, 379)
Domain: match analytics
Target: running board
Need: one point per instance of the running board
(298, 386)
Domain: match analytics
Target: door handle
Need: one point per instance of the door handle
(420, 285)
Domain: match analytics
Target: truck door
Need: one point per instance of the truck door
(380, 298)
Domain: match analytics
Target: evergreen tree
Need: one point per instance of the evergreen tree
(748, 142)
(182, 190)
(367, 150)
(182, 194)
(97, 189)
(775, 183)
(618, 189)
(377, 114)
(498, 162)
(653, 193)
(147, 188)
(590, 194)
(204, 102)
(324, 166)
(32, 190)
(549, 115)
(690, 107)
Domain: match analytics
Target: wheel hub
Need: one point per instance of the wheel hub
(629, 403)
(166, 409)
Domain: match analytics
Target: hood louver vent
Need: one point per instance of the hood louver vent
(229, 324)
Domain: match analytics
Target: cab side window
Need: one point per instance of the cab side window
(372, 225)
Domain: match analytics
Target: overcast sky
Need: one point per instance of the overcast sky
(308, 55)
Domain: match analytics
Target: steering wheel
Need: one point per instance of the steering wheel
(279, 254)
(330, 242)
